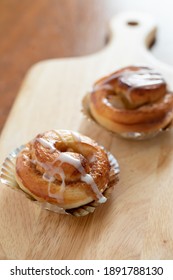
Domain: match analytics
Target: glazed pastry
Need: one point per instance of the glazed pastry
(65, 168)
(133, 99)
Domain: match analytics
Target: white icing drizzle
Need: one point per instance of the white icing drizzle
(76, 136)
(88, 179)
(51, 170)
(58, 196)
(133, 78)
(67, 158)
(92, 159)
(143, 77)
(48, 176)
(47, 144)
(60, 136)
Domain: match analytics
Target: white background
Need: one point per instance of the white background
(162, 11)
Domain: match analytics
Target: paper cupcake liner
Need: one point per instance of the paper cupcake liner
(127, 135)
(7, 177)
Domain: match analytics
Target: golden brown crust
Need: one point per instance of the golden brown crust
(133, 99)
(63, 168)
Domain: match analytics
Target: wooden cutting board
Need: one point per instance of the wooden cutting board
(136, 223)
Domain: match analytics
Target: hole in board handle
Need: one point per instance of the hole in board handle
(133, 23)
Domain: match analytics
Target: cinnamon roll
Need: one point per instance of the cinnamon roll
(66, 169)
(132, 100)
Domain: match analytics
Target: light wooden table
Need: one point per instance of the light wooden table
(21, 221)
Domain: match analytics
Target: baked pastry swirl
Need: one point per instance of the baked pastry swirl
(132, 99)
(64, 168)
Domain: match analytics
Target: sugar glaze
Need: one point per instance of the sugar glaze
(51, 170)
(143, 77)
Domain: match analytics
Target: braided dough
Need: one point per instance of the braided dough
(133, 99)
(63, 168)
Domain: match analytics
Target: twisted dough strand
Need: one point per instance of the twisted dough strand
(63, 168)
(133, 99)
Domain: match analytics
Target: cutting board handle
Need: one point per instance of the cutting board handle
(133, 29)
(131, 35)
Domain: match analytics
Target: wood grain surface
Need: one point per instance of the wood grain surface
(31, 31)
(136, 223)
(74, 28)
